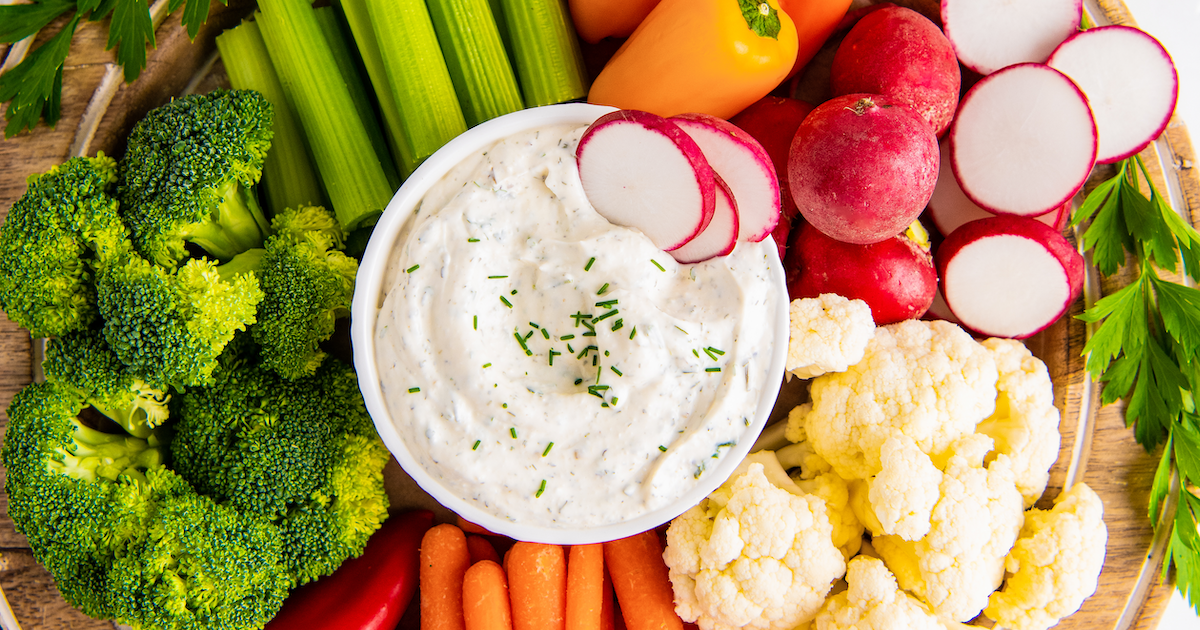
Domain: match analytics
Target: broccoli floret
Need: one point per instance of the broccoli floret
(56, 234)
(83, 361)
(302, 453)
(126, 538)
(188, 176)
(169, 326)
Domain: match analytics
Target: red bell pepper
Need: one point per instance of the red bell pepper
(369, 592)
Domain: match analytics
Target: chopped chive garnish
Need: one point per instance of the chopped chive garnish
(475, 446)
(596, 389)
(541, 489)
(660, 267)
(412, 268)
(617, 325)
(548, 447)
(604, 316)
(614, 400)
(711, 351)
(695, 352)
(615, 370)
(590, 333)
(606, 304)
(606, 353)
(726, 444)
(578, 381)
(513, 432)
(580, 317)
(595, 357)
(712, 369)
(588, 266)
(487, 365)
(587, 323)
(633, 332)
(496, 277)
(603, 288)
(566, 337)
(583, 353)
(599, 370)
(553, 353)
(513, 292)
(545, 333)
(413, 390)
(534, 325)
(604, 404)
(662, 448)
(528, 335)
(506, 302)
(521, 340)
(472, 240)
(681, 330)
(570, 349)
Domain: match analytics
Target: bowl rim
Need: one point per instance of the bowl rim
(368, 296)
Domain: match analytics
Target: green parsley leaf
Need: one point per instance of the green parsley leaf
(18, 21)
(34, 87)
(130, 31)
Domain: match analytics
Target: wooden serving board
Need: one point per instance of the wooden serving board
(98, 109)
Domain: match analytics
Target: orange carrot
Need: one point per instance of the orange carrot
(607, 605)
(640, 580)
(472, 528)
(537, 582)
(485, 597)
(481, 549)
(444, 561)
(585, 587)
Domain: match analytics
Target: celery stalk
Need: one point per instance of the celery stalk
(347, 63)
(354, 179)
(417, 73)
(545, 51)
(289, 179)
(479, 67)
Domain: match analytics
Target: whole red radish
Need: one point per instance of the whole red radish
(901, 54)
(1008, 276)
(862, 167)
(895, 277)
(773, 120)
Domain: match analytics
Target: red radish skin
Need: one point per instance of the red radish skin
(1130, 82)
(895, 277)
(773, 120)
(744, 165)
(1013, 154)
(1008, 276)
(950, 208)
(641, 170)
(719, 237)
(862, 167)
(901, 54)
(988, 35)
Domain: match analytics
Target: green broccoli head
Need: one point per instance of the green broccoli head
(308, 284)
(302, 453)
(189, 172)
(55, 236)
(83, 360)
(169, 326)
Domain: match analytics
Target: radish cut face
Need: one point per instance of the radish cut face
(640, 170)
(1130, 83)
(1023, 141)
(988, 35)
(746, 167)
(719, 237)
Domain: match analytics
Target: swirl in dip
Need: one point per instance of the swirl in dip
(552, 368)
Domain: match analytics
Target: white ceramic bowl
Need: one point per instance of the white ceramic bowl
(368, 296)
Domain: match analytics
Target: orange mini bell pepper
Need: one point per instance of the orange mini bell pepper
(597, 19)
(708, 56)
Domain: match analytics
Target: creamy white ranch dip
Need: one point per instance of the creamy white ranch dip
(553, 368)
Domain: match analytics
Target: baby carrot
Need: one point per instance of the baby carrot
(607, 605)
(640, 580)
(485, 597)
(444, 561)
(585, 587)
(472, 528)
(481, 549)
(537, 582)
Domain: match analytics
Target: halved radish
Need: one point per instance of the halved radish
(988, 35)
(1130, 82)
(721, 235)
(1008, 276)
(744, 165)
(950, 208)
(1023, 140)
(641, 170)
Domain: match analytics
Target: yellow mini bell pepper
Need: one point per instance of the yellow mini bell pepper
(709, 56)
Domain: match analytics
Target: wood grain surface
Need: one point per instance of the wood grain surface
(1096, 445)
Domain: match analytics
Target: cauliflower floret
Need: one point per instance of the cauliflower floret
(1055, 563)
(800, 453)
(814, 476)
(960, 562)
(765, 559)
(928, 380)
(1025, 424)
(903, 494)
(874, 602)
(829, 334)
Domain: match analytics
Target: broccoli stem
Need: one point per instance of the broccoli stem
(148, 410)
(99, 455)
(237, 224)
(249, 261)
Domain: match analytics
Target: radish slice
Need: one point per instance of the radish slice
(1008, 276)
(1017, 154)
(744, 165)
(939, 310)
(950, 208)
(1130, 82)
(988, 35)
(641, 170)
(721, 235)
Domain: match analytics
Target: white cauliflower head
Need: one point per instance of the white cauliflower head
(1055, 564)
(765, 559)
(903, 494)
(960, 562)
(829, 334)
(873, 601)
(1025, 423)
(928, 380)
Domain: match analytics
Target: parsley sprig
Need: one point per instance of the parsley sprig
(1146, 347)
(33, 89)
